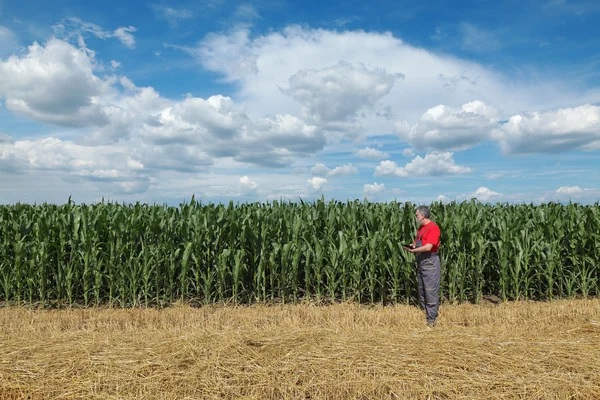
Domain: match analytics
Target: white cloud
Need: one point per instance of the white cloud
(125, 36)
(321, 169)
(372, 154)
(485, 194)
(228, 54)
(408, 152)
(172, 15)
(127, 139)
(4, 138)
(107, 166)
(442, 198)
(342, 170)
(331, 97)
(316, 184)
(262, 64)
(194, 119)
(247, 187)
(224, 129)
(552, 131)
(374, 189)
(54, 84)
(569, 190)
(172, 157)
(571, 193)
(434, 164)
(445, 128)
(75, 27)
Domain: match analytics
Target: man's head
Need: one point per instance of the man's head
(422, 214)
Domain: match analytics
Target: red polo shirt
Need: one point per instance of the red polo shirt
(429, 234)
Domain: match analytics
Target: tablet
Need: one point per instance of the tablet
(407, 246)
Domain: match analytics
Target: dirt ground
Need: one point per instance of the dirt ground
(524, 350)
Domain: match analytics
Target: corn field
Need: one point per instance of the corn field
(151, 255)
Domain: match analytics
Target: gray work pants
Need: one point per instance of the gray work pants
(428, 278)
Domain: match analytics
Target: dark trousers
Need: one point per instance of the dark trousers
(428, 278)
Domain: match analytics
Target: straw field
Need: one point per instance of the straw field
(509, 350)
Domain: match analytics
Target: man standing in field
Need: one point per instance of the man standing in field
(425, 248)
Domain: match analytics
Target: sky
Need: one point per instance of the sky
(255, 101)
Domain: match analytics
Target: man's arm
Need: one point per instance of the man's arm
(422, 249)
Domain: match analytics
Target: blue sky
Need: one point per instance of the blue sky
(254, 101)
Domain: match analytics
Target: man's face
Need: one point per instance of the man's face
(419, 218)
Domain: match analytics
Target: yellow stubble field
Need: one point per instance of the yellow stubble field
(526, 350)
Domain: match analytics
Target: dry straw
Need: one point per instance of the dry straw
(513, 350)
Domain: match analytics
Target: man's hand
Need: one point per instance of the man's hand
(409, 247)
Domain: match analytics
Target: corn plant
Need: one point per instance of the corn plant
(146, 255)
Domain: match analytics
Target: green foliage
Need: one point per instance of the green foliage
(142, 255)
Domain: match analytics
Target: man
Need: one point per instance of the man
(425, 248)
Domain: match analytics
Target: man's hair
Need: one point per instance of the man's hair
(424, 211)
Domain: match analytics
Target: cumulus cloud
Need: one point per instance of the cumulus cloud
(247, 187)
(108, 166)
(408, 152)
(172, 157)
(155, 138)
(483, 194)
(434, 164)
(371, 190)
(224, 129)
(57, 83)
(342, 170)
(193, 119)
(372, 154)
(321, 169)
(554, 131)
(316, 184)
(446, 128)
(569, 190)
(443, 199)
(231, 55)
(332, 96)
(54, 84)
(571, 193)
(262, 64)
